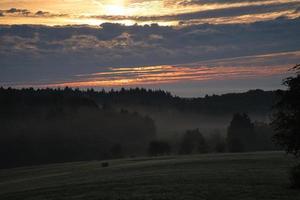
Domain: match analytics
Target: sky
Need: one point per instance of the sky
(188, 47)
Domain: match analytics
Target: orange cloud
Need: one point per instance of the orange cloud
(169, 74)
(129, 12)
(239, 68)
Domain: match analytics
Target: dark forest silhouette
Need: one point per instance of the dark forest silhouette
(59, 125)
(286, 121)
(251, 101)
(48, 126)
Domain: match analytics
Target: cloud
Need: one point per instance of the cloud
(42, 55)
(209, 40)
(42, 13)
(209, 37)
(27, 13)
(18, 11)
(213, 13)
(240, 68)
(232, 2)
(164, 12)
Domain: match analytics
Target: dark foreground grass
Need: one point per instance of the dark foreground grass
(248, 176)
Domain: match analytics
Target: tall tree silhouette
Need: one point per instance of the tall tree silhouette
(287, 115)
(240, 133)
(193, 142)
(157, 148)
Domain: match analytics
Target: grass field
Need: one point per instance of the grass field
(258, 176)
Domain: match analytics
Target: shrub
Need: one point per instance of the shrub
(105, 164)
(193, 142)
(157, 148)
(295, 176)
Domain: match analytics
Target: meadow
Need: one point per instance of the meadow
(258, 175)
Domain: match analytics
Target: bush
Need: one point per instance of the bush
(193, 142)
(158, 148)
(295, 176)
(105, 164)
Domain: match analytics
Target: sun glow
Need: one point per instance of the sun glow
(116, 7)
(142, 12)
(114, 10)
(170, 74)
(222, 69)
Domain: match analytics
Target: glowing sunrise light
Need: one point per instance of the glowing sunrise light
(129, 12)
(116, 7)
(239, 68)
(114, 10)
(172, 74)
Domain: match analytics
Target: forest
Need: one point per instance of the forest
(41, 126)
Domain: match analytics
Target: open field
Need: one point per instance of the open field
(262, 175)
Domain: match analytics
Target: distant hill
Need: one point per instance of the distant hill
(174, 115)
(59, 125)
(46, 126)
(257, 101)
(253, 101)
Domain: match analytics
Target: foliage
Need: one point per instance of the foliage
(240, 133)
(117, 151)
(286, 121)
(257, 101)
(157, 148)
(46, 126)
(193, 142)
(105, 164)
(295, 176)
(216, 142)
(58, 125)
(263, 137)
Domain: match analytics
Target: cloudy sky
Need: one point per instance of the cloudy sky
(189, 47)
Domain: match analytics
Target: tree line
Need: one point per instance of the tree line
(242, 135)
(255, 101)
(47, 126)
(59, 125)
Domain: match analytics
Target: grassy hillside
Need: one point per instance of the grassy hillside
(212, 176)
